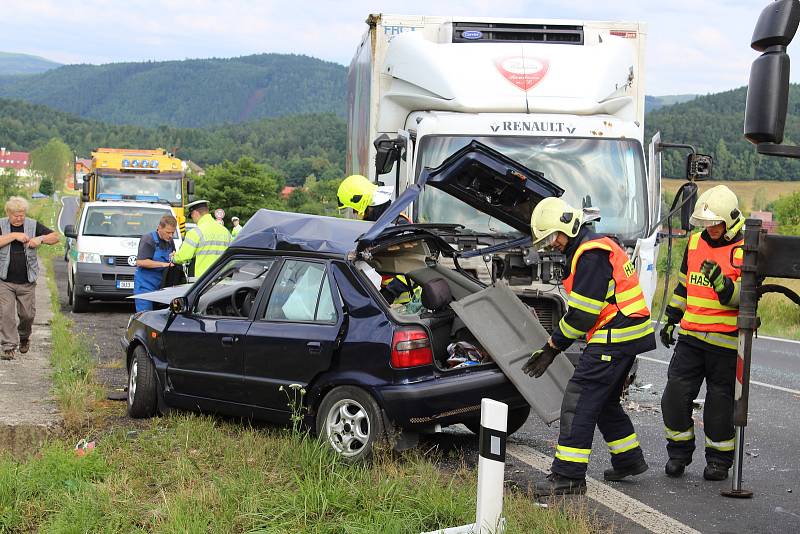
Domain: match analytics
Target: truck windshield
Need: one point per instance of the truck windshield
(139, 187)
(604, 173)
(122, 221)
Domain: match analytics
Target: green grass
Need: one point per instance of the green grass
(188, 473)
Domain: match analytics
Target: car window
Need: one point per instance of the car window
(232, 291)
(301, 293)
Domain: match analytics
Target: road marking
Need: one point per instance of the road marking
(756, 382)
(637, 511)
(776, 339)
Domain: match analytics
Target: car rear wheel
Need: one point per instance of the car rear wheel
(142, 399)
(516, 418)
(350, 420)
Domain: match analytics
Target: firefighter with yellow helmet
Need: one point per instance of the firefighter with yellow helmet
(369, 200)
(606, 305)
(705, 304)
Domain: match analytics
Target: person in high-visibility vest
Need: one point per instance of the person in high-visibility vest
(236, 226)
(606, 305)
(705, 303)
(205, 242)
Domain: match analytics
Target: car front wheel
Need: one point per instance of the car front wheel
(350, 420)
(142, 399)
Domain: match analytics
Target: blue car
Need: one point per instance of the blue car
(297, 308)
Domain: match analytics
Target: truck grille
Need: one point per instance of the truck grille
(482, 32)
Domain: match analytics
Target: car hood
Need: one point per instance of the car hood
(164, 296)
(481, 177)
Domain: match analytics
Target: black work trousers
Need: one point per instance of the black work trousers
(592, 398)
(693, 361)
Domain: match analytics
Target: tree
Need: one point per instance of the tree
(241, 188)
(787, 211)
(54, 160)
(9, 184)
(46, 186)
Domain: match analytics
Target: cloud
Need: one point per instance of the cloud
(693, 46)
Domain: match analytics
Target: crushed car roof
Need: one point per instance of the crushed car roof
(268, 229)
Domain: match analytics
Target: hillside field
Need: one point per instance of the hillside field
(767, 190)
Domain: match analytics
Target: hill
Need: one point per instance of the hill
(14, 64)
(713, 125)
(297, 146)
(652, 103)
(189, 93)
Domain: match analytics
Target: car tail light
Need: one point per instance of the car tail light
(411, 348)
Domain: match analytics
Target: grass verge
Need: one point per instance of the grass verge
(188, 473)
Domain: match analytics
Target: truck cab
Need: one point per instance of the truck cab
(102, 258)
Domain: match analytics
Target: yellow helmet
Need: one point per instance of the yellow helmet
(718, 204)
(356, 192)
(553, 215)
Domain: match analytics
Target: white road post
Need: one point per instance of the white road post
(491, 472)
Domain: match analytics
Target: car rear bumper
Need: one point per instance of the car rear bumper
(446, 400)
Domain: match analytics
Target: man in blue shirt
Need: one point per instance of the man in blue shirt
(153, 257)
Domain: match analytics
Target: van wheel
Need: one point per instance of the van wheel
(350, 420)
(142, 398)
(79, 304)
(69, 293)
(516, 418)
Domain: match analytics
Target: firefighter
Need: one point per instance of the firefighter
(369, 200)
(705, 303)
(606, 304)
(205, 242)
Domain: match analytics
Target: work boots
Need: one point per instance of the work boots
(556, 484)
(675, 467)
(715, 471)
(24, 345)
(618, 474)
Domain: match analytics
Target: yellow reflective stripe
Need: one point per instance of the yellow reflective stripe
(622, 445)
(712, 304)
(586, 304)
(620, 335)
(611, 287)
(206, 252)
(726, 445)
(678, 435)
(678, 301)
(587, 246)
(568, 331)
(738, 253)
(629, 294)
(572, 454)
(728, 320)
(694, 240)
(682, 279)
(634, 307)
(726, 341)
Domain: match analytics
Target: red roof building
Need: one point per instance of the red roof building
(287, 190)
(14, 160)
(768, 223)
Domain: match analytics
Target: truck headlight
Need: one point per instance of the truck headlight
(89, 257)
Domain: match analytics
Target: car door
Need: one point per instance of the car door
(205, 345)
(294, 336)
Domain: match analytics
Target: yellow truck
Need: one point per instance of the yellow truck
(139, 175)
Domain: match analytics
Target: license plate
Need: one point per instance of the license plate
(124, 284)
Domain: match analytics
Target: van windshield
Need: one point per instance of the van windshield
(604, 173)
(121, 221)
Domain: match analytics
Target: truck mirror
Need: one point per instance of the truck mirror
(85, 190)
(768, 88)
(189, 186)
(387, 152)
(69, 231)
(698, 167)
(688, 207)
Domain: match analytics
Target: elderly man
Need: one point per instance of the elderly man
(152, 258)
(20, 236)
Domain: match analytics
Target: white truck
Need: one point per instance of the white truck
(563, 97)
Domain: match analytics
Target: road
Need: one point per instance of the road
(69, 211)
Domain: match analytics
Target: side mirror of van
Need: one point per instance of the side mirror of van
(178, 305)
(69, 231)
(698, 167)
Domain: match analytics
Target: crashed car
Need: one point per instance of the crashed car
(296, 302)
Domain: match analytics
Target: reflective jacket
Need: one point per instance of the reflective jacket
(623, 297)
(206, 242)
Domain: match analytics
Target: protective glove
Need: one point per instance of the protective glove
(713, 274)
(539, 361)
(667, 338)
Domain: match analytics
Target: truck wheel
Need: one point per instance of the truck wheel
(350, 421)
(142, 398)
(516, 418)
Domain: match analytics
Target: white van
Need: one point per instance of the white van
(102, 258)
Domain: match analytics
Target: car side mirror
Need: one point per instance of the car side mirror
(69, 231)
(698, 167)
(85, 190)
(178, 305)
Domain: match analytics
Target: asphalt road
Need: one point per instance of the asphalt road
(68, 213)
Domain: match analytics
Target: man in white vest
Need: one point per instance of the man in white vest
(20, 236)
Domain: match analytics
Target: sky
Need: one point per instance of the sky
(693, 46)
